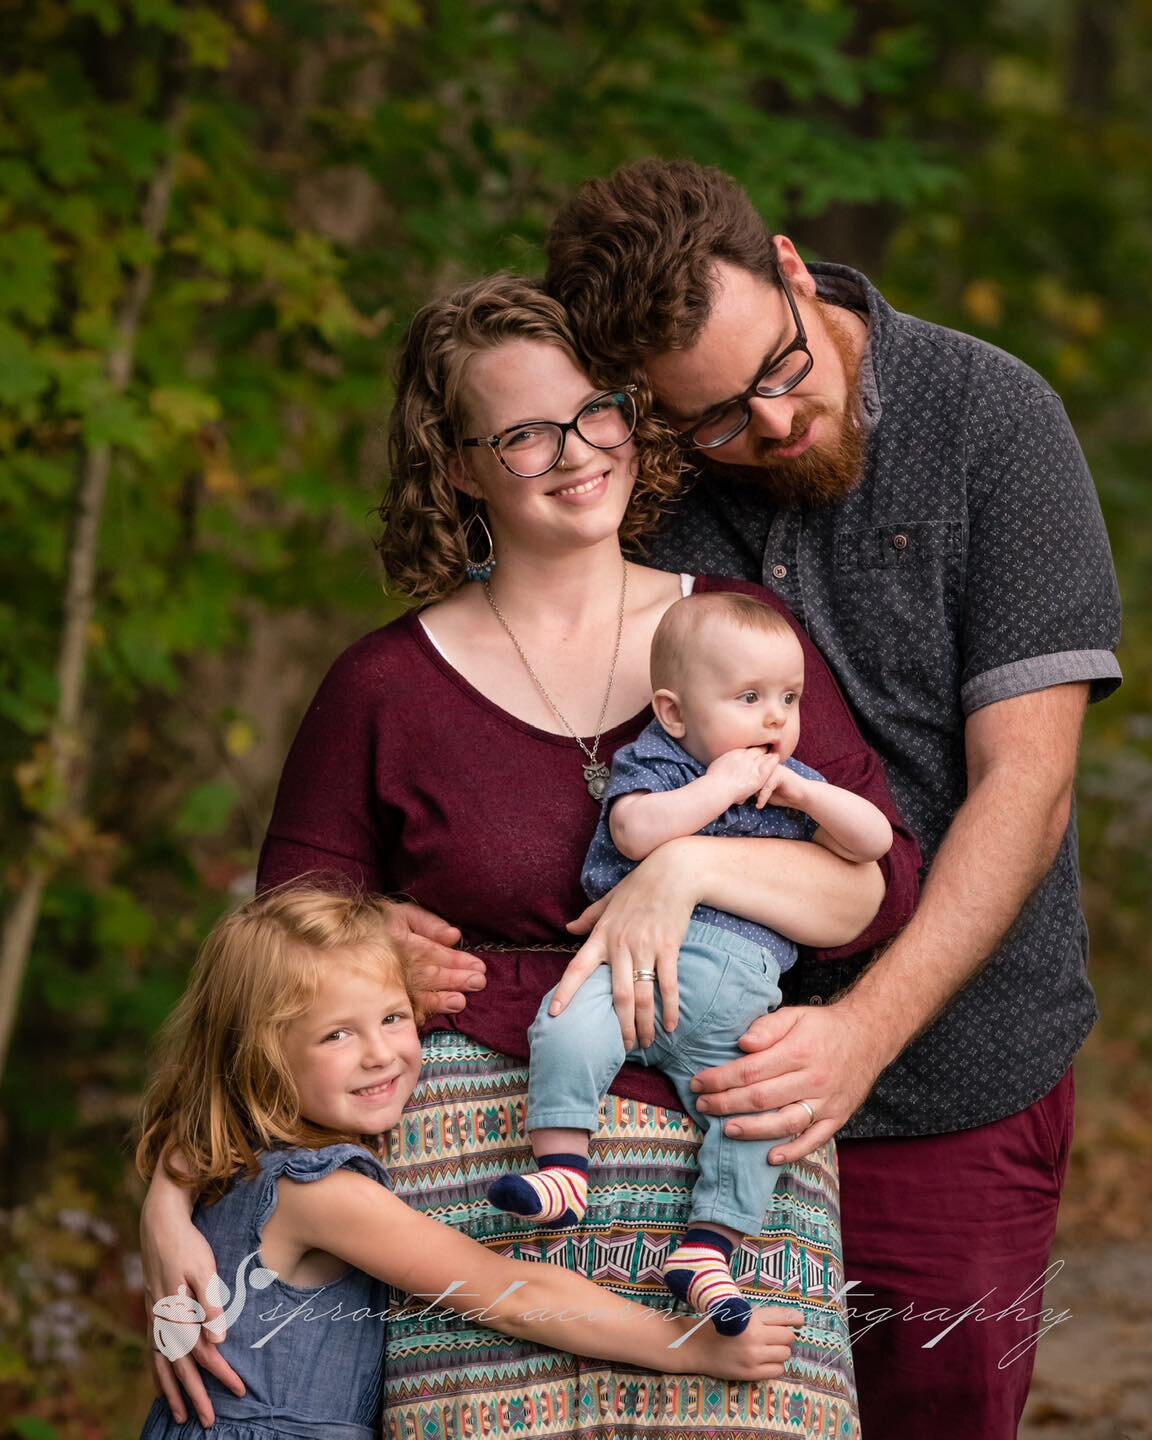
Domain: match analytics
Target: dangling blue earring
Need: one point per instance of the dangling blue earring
(478, 569)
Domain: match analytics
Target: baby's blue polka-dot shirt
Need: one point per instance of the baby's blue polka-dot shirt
(656, 763)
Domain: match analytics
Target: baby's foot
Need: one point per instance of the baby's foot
(698, 1272)
(557, 1194)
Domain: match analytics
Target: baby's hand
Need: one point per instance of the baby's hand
(782, 787)
(760, 1353)
(741, 773)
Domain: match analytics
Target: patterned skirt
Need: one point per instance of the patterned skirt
(448, 1379)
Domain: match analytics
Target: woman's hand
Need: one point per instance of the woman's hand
(174, 1253)
(760, 1353)
(440, 972)
(638, 925)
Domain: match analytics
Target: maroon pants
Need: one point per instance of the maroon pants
(948, 1239)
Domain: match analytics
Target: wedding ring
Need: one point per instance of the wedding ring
(811, 1113)
(645, 975)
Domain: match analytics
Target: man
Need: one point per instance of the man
(920, 501)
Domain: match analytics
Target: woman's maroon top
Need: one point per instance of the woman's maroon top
(407, 780)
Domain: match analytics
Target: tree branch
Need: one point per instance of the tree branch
(66, 785)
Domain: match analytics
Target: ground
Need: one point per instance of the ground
(1094, 1371)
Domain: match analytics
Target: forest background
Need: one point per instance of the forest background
(215, 222)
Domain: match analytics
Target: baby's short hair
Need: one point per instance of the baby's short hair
(683, 622)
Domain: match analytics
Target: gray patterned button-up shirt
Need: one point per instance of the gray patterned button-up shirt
(971, 566)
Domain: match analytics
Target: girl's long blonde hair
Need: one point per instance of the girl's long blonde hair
(424, 547)
(222, 1091)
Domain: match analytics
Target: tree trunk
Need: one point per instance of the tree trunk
(66, 776)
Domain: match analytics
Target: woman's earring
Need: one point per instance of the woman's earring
(478, 569)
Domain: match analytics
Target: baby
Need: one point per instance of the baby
(727, 676)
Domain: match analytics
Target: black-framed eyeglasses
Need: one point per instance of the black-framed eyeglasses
(783, 372)
(535, 446)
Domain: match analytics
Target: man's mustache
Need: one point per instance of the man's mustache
(766, 449)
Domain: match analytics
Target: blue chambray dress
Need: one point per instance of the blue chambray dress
(316, 1374)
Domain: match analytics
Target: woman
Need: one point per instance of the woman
(440, 760)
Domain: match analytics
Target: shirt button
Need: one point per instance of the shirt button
(779, 572)
(900, 542)
(815, 1000)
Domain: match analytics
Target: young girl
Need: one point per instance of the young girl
(290, 1057)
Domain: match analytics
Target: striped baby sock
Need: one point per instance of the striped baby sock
(556, 1195)
(699, 1272)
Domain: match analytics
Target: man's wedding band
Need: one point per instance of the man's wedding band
(811, 1112)
(645, 975)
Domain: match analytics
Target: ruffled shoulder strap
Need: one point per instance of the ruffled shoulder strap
(304, 1165)
(307, 1165)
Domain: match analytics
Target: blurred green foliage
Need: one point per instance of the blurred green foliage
(338, 161)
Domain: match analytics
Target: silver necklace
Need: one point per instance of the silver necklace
(595, 771)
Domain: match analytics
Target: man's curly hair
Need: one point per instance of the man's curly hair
(423, 547)
(631, 258)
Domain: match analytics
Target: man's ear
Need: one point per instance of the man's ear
(666, 705)
(458, 476)
(796, 272)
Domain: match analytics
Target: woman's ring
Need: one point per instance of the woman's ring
(811, 1113)
(643, 974)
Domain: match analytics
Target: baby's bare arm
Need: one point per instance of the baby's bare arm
(645, 820)
(850, 826)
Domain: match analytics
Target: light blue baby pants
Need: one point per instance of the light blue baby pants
(726, 983)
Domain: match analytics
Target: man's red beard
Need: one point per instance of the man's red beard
(829, 470)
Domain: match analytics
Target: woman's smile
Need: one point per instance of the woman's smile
(581, 490)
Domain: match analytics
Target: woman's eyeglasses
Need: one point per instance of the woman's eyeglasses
(536, 446)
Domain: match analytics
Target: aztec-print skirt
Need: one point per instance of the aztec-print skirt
(448, 1379)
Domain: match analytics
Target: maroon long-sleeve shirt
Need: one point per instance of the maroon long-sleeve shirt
(406, 780)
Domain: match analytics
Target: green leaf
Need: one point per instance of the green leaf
(210, 39)
(207, 809)
(106, 13)
(119, 420)
(27, 273)
(184, 411)
(121, 921)
(30, 1427)
(64, 145)
(23, 375)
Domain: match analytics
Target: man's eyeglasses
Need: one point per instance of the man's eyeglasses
(782, 373)
(535, 447)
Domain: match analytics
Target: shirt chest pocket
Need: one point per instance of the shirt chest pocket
(898, 590)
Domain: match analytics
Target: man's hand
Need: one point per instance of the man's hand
(440, 973)
(638, 925)
(822, 1055)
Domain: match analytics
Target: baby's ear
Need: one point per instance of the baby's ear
(666, 705)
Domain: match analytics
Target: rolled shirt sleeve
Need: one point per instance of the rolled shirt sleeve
(1042, 605)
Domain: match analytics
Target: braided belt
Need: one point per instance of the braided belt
(501, 949)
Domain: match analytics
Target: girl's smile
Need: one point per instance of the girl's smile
(355, 1053)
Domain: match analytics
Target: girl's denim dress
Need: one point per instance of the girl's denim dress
(311, 1359)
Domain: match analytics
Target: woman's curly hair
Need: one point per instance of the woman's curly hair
(423, 547)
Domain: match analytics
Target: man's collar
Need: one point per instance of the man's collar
(841, 285)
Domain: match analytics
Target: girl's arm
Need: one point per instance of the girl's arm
(174, 1253)
(359, 1221)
